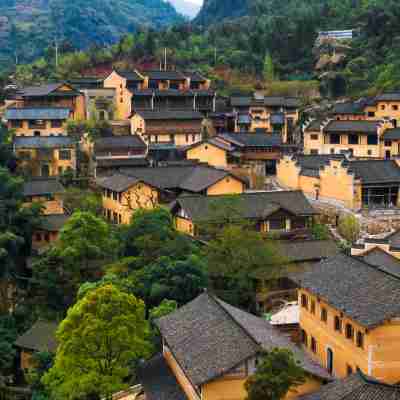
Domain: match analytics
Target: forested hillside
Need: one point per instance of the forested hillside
(28, 27)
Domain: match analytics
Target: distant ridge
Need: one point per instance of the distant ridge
(186, 7)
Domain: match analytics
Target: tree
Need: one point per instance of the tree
(85, 238)
(234, 258)
(349, 228)
(42, 362)
(101, 336)
(164, 308)
(275, 376)
(75, 199)
(269, 69)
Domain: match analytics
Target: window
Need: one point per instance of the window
(371, 114)
(372, 140)
(304, 301)
(353, 139)
(304, 338)
(38, 237)
(60, 170)
(312, 307)
(16, 123)
(314, 151)
(38, 124)
(349, 331)
(115, 196)
(313, 345)
(324, 314)
(47, 237)
(277, 224)
(193, 138)
(383, 107)
(64, 154)
(349, 370)
(56, 123)
(119, 218)
(187, 138)
(395, 107)
(36, 133)
(369, 152)
(388, 143)
(121, 100)
(338, 324)
(314, 137)
(171, 138)
(360, 340)
(334, 138)
(332, 151)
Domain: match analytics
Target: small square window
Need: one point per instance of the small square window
(395, 107)
(371, 114)
(314, 137)
(369, 152)
(383, 107)
(388, 143)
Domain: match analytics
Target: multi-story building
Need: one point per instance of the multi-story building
(45, 156)
(359, 138)
(135, 188)
(177, 128)
(353, 183)
(349, 317)
(273, 114)
(210, 348)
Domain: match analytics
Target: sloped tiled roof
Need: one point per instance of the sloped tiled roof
(376, 171)
(253, 139)
(365, 127)
(158, 381)
(171, 115)
(130, 75)
(164, 75)
(385, 261)
(117, 182)
(117, 142)
(354, 108)
(41, 337)
(356, 387)
(363, 292)
(208, 338)
(388, 97)
(122, 162)
(257, 205)
(195, 76)
(308, 250)
(39, 187)
(45, 90)
(392, 134)
(52, 222)
(38, 142)
(272, 101)
(50, 113)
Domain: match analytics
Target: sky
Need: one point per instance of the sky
(196, 1)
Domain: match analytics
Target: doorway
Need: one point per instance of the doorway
(329, 360)
(45, 170)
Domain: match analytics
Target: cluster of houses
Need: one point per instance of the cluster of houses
(173, 142)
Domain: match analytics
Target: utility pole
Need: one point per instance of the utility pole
(56, 47)
(215, 56)
(165, 59)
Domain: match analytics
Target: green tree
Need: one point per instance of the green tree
(75, 199)
(275, 376)
(349, 228)
(268, 69)
(164, 308)
(101, 336)
(42, 362)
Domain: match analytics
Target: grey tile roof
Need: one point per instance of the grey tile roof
(41, 337)
(50, 113)
(122, 162)
(244, 119)
(208, 338)
(257, 205)
(394, 239)
(171, 115)
(45, 90)
(213, 141)
(39, 187)
(364, 293)
(314, 125)
(316, 162)
(364, 127)
(117, 182)
(382, 260)
(388, 97)
(158, 381)
(253, 139)
(354, 108)
(38, 142)
(277, 119)
(356, 387)
(164, 75)
(195, 76)
(376, 171)
(308, 250)
(392, 134)
(52, 222)
(130, 75)
(117, 142)
(272, 101)
(192, 178)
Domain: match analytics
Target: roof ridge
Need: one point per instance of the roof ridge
(376, 268)
(218, 301)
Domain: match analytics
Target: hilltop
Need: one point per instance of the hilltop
(28, 27)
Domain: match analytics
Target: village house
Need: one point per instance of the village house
(47, 232)
(273, 114)
(356, 184)
(111, 153)
(349, 317)
(356, 387)
(37, 121)
(175, 128)
(210, 349)
(359, 138)
(40, 338)
(45, 156)
(135, 188)
(47, 192)
(267, 212)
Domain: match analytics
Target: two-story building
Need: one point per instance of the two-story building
(112, 153)
(355, 184)
(48, 230)
(359, 138)
(45, 155)
(210, 348)
(273, 114)
(267, 212)
(177, 128)
(135, 188)
(349, 317)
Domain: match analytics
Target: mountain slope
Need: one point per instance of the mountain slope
(186, 8)
(215, 10)
(29, 26)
